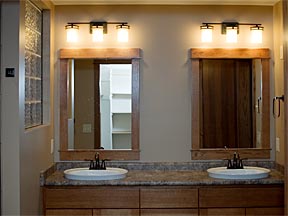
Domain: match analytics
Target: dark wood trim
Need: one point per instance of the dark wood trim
(100, 53)
(195, 106)
(135, 103)
(265, 122)
(63, 104)
(285, 152)
(97, 115)
(240, 53)
(220, 154)
(69, 155)
(200, 53)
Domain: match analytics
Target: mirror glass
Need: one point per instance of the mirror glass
(99, 104)
(230, 103)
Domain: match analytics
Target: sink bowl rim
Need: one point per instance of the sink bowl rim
(110, 173)
(235, 174)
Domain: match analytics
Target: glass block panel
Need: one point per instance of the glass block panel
(38, 90)
(33, 114)
(33, 16)
(38, 114)
(33, 66)
(27, 115)
(32, 41)
(27, 89)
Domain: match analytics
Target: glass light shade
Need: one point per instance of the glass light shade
(123, 33)
(206, 33)
(256, 34)
(231, 34)
(97, 33)
(72, 33)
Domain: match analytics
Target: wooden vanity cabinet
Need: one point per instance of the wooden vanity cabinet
(177, 201)
(102, 201)
(164, 200)
(242, 200)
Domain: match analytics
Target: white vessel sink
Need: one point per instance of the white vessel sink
(86, 174)
(246, 173)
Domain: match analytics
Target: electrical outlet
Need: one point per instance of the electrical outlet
(277, 144)
(87, 128)
(52, 146)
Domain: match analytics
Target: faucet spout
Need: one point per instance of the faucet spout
(236, 162)
(96, 165)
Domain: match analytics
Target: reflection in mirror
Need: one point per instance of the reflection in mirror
(230, 92)
(100, 105)
(230, 103)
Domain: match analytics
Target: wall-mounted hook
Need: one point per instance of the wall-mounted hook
(278, 98)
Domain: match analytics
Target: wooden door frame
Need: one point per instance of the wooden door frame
(285, 42)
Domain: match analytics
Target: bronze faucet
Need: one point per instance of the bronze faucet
(236, 162)
(95, 165)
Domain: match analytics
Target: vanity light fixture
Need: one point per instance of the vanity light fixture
(97, 32)
(232, 34)
(97, 29)
(206, 33)
(123, 32)
(256, 33)
(72, 32)
(231, 30)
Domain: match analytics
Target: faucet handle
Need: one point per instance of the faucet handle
(92, 165)
(103, 164)
(229, 163)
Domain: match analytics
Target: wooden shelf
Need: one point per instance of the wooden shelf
(121, 132)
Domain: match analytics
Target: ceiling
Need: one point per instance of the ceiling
(164, 2)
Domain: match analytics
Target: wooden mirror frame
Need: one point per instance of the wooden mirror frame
(65, 55)
(197, 54)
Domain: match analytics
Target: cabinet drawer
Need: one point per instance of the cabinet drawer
(92, 198)
(222, 211)
(68, 212)
(169, 198)
(116, 212)
(264, 211)
(241, 197)
(169, 212)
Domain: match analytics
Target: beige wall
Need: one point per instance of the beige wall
(24, 153)
(279, 75)
(165, 34)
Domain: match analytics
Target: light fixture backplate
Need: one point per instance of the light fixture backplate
(104, 24)
(224, 25)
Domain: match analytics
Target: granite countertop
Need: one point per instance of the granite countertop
(156, 174)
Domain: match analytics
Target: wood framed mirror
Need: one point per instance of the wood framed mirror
(230, 110)
(124, 63)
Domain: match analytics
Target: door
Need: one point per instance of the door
(227, 103)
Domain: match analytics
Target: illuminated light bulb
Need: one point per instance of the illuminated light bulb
(206, 33)
(123, 32)
(97, 33)
(72, 33)
(256, 34)
(231, 34)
